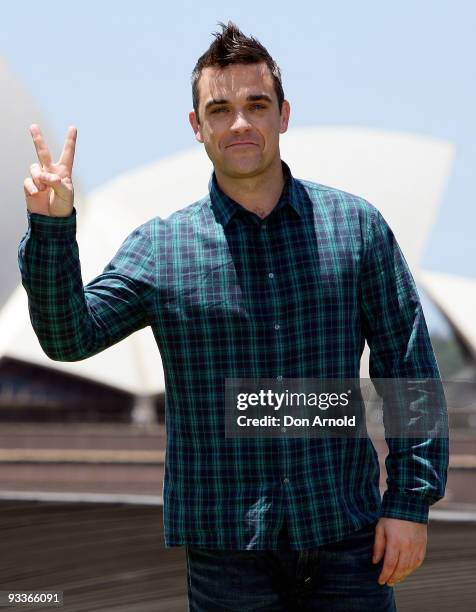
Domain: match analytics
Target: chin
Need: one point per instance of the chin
(244, 168)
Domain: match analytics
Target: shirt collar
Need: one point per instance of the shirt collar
(225, 207)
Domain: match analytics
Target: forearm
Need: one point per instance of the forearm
(73, 322)
(417, 473)
(416, 428)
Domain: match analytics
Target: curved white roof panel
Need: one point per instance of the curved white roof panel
(455, 296)
(404, 175)
(18, 111)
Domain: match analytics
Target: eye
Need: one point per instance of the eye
(258, 106)
(219, 110)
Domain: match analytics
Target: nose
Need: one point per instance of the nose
(240, 123)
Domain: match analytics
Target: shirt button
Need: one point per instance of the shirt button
(264, 226)
(279, 377)
(286, 480)
(271, 275)
(283, 429)
(277, 326)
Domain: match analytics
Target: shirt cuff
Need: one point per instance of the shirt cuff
(406, 506)
(46, 227)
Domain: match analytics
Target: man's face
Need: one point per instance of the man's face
(239, 120)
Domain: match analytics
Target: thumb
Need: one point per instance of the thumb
(379, 544)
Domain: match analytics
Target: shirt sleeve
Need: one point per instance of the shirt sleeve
(400, 348)
(72, 321)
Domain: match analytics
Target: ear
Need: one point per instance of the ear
(195, 126)
(285, 112)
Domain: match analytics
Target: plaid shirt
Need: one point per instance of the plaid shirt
(229, 295)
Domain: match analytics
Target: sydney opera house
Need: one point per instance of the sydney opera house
(404, 175)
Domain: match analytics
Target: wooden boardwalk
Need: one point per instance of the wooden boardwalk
(111, 558)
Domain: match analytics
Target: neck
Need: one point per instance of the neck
(260, 193)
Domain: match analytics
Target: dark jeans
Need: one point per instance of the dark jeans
(336, 577)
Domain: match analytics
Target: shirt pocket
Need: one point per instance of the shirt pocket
(210, 294)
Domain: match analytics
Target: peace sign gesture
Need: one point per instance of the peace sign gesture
(49, 191)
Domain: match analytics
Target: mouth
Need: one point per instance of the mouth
(242, 144)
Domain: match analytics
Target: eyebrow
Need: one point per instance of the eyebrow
(251, 98)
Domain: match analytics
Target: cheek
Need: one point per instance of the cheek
(270, 135)
(212, 136)
(212, 145)
(269, 128)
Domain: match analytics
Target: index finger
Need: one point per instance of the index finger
(67, 155)
(41, 149)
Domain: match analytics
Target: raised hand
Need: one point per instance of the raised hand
(49, 191)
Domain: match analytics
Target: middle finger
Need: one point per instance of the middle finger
(42, 150)
(402, 570)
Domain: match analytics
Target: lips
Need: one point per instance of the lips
(241, 144)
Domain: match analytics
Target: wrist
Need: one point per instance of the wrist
(49, 227)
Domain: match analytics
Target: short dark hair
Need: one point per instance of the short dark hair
(231, 46)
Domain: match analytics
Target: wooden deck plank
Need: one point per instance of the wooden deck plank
(111, 558)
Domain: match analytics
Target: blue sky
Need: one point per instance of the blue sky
(120, 72)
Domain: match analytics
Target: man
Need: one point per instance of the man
(271, 277)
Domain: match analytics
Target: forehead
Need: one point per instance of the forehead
(235, 80)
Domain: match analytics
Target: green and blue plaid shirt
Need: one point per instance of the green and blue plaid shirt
(229, 295)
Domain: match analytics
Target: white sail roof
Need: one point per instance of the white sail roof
(18, 111)
(455, 296)
(404, 175)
